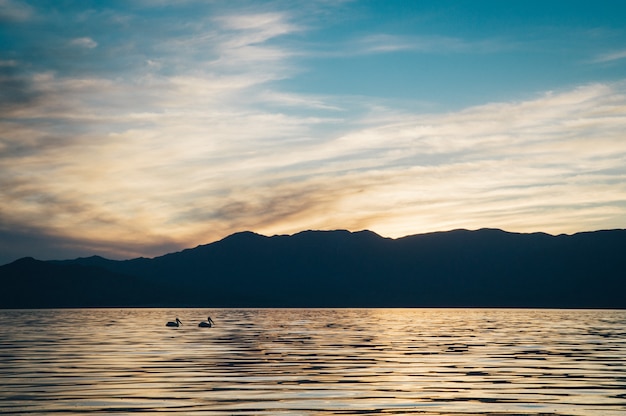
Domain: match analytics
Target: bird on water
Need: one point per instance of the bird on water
(206, 324)
(177, 322)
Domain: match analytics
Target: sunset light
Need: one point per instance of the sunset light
(139, 128)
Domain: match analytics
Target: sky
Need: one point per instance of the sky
(141, 127)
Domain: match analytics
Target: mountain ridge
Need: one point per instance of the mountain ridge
(339, 268)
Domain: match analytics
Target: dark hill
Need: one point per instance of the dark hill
(30, 283)
(484, 268)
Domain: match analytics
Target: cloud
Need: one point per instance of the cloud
(381, 43)
(610, 57)
(195, 170)
(88, 146)
(188, 136)
(258, 27)
(15, 11)
(56, 244)
(84, 42)
(511, 164)
(16, 91)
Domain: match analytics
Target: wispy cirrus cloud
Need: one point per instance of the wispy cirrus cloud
(385, 43)
(381, 43)
(611, 56)
(517, 164)
(75, 156)
(523, 166)
(184, 132)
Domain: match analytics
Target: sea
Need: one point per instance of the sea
(313, 362)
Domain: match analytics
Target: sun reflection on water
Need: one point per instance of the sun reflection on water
(314, 361)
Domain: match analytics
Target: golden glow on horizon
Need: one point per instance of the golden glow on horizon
(143, 186)
(172, 155)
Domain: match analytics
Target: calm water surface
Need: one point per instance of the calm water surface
(314, 362)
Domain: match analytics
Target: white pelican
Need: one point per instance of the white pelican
(177, 322)
(208, 324)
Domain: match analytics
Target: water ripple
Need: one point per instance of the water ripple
(295, 362)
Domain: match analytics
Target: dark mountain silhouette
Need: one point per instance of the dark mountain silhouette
(30, 283)
(484, 268)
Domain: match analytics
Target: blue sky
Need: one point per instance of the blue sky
(136, 128)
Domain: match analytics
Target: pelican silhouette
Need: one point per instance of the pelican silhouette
(177, 322)
(208, 324)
